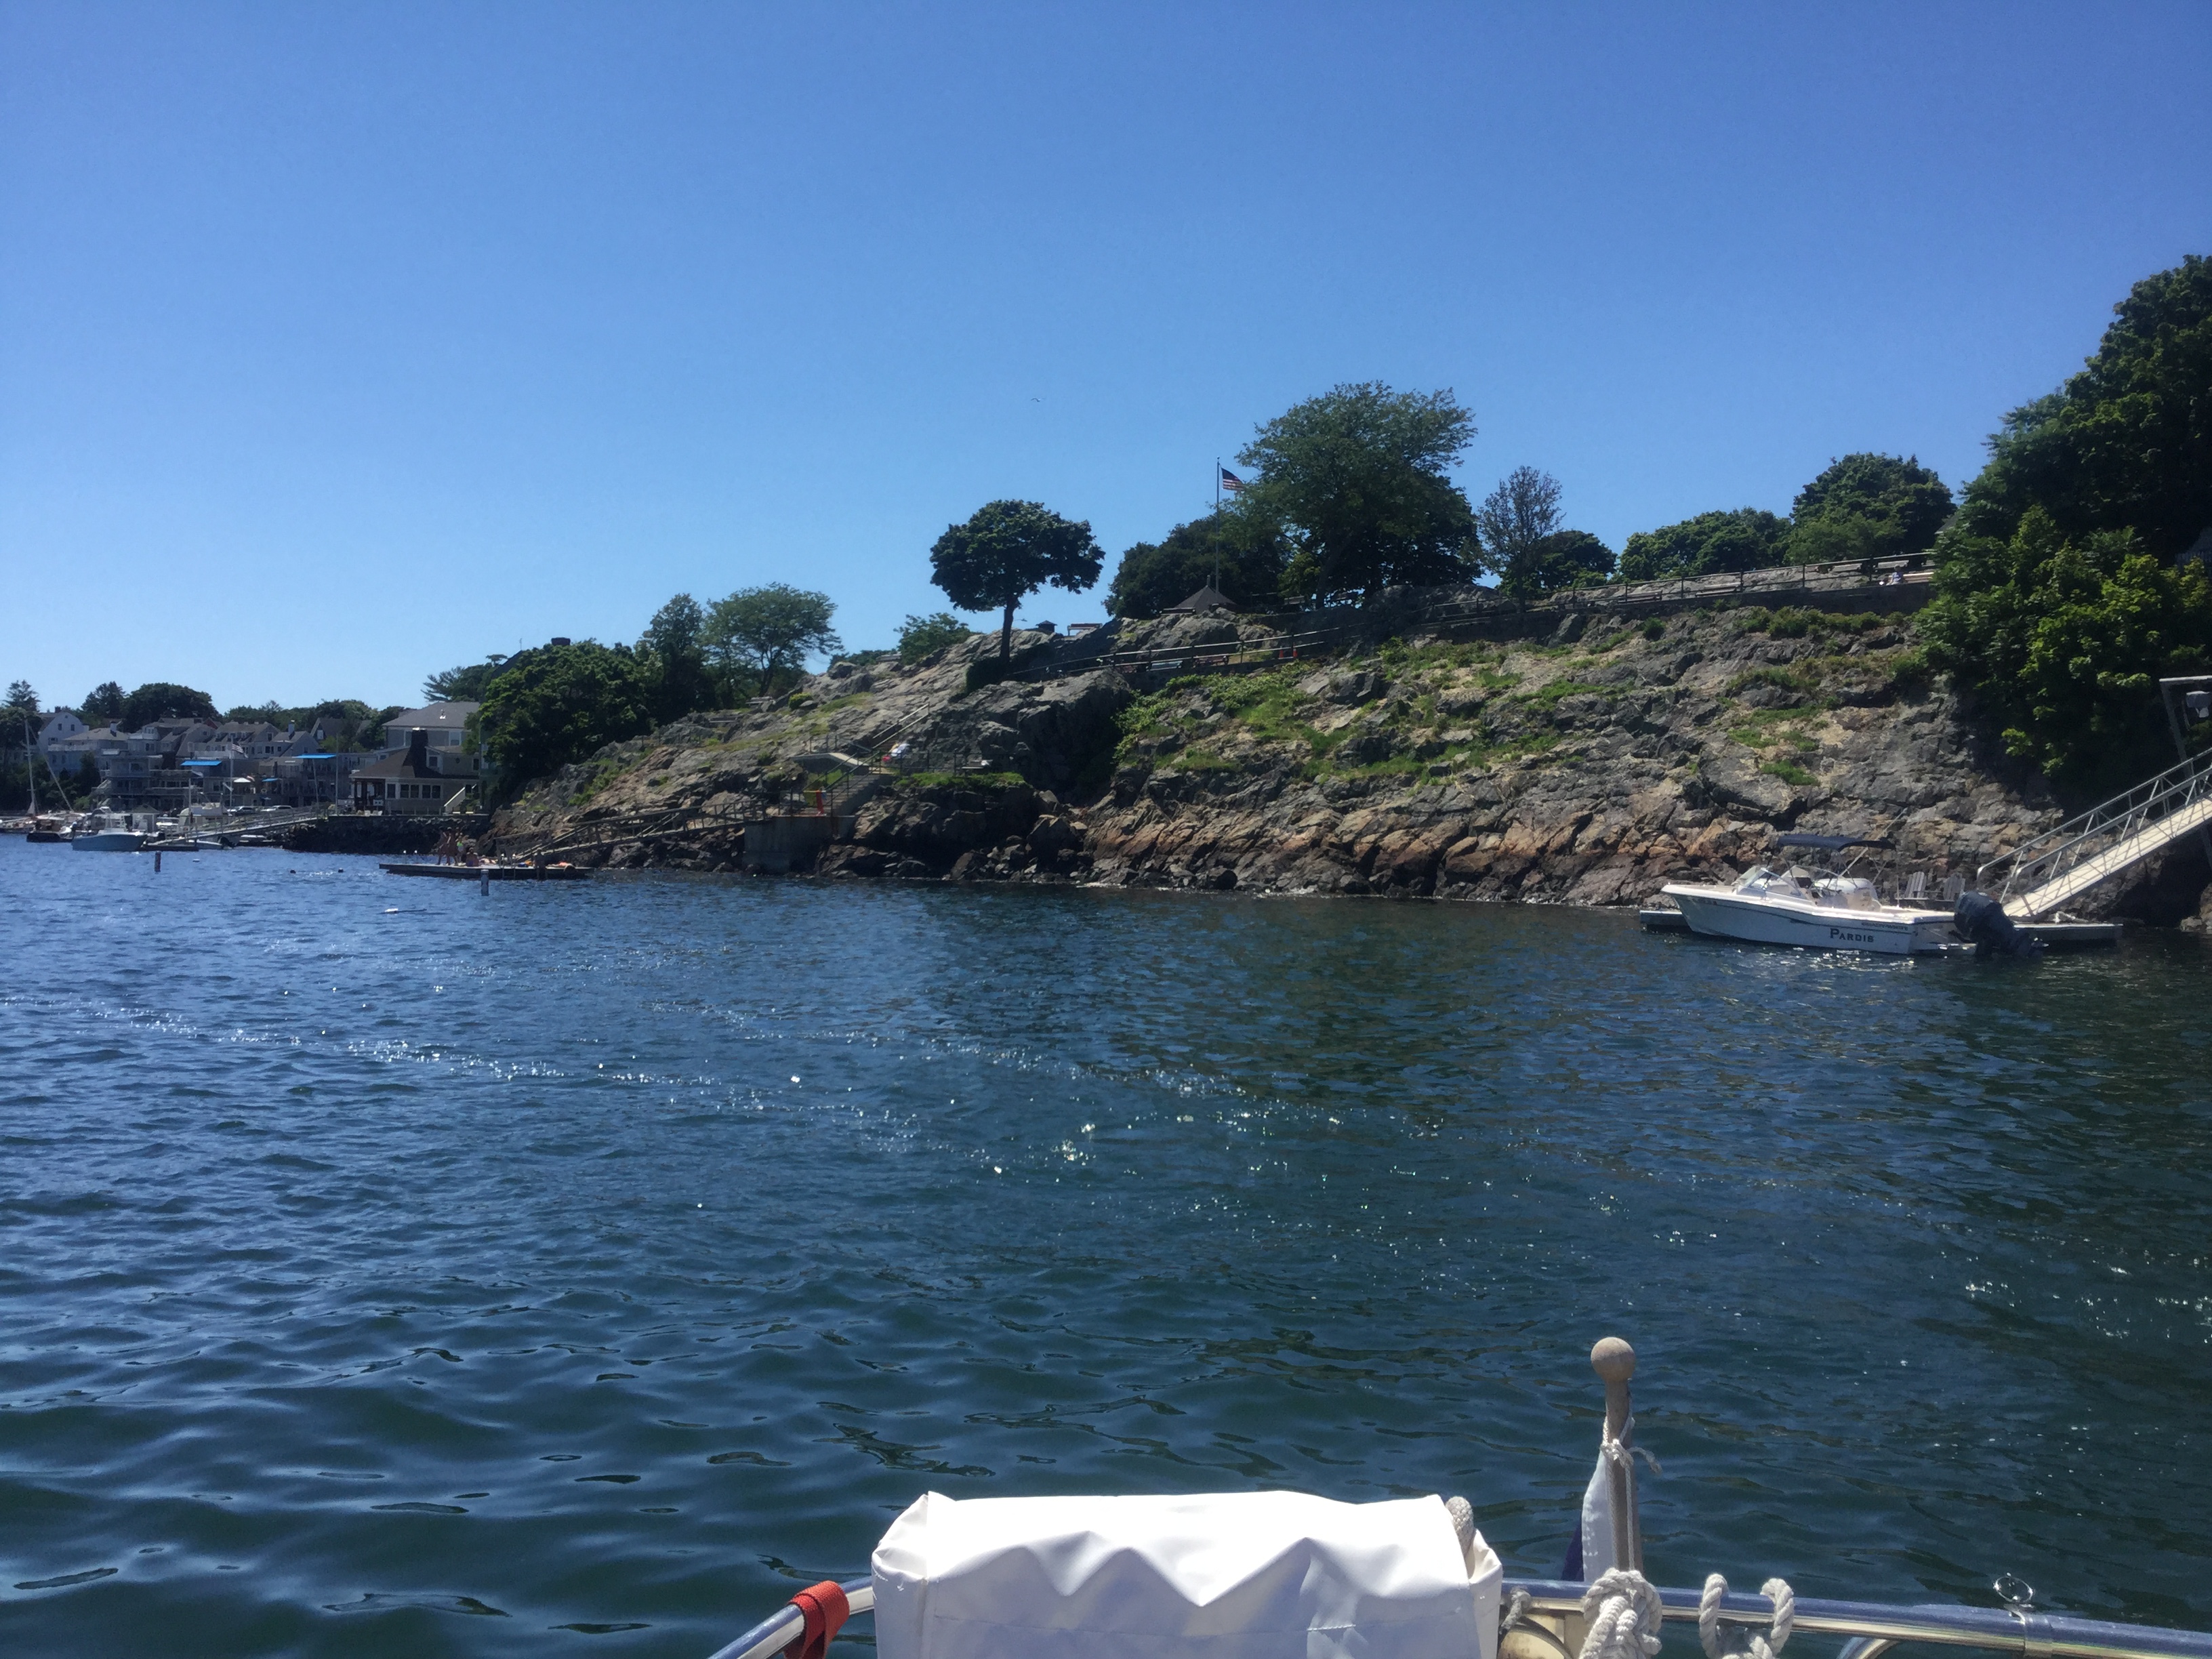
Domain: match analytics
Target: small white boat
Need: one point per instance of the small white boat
(1840, 912)
(110, 834)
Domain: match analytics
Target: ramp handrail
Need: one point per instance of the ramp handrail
(2037, 863)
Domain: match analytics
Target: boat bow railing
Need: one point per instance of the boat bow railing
(1870, 1628)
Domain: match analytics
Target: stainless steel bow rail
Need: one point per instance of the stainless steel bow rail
(1871, 1627)
(785, 1626)
(1544, 1616)
(2062, 864)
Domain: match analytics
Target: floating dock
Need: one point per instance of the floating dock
(2055, 935)
(490, 871)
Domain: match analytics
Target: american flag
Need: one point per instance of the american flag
(1231, 482)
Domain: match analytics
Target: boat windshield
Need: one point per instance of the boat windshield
(1759, 882)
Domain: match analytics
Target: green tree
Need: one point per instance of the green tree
(1514, 520)
(467, 683)
(674, 647)
(272, 711)
(2063, 641)
(1242, 554)
(759, 638)
(2059, 603)
(160, 701)
(1748, 539)
(1868, 506)
(1571, 558)
(923, 636)
(1005, 552)
(2126, 444)
(559, 703)
(1355, 482)
(106, 703)
(22, 701)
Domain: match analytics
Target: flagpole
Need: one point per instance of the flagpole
(1216, 583)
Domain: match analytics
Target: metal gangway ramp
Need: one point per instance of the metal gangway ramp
(2062, 864)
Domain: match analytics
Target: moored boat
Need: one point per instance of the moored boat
(111, 833)
(1793, 906)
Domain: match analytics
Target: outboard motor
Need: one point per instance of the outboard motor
(1982, 922)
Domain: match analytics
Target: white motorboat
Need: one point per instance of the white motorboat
(1841, 912)
(109, 834)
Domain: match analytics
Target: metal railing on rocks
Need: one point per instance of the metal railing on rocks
(1458, 607)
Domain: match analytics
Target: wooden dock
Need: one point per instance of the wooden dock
(480, 873)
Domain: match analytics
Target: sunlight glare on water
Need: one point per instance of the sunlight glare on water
(388, 1267)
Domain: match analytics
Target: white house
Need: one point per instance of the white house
(62, 725)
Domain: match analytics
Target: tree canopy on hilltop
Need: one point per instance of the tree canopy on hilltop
(1005, 552)
(1868, 506)
(1748, 539)
(2060, 599)
(1355, 482)
(161, 701)
(759, 638)
(1242, 554)
(560, 703)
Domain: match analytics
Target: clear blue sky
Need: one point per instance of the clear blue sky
(342, 342)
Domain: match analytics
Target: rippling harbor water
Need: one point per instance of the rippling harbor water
(388, 1268)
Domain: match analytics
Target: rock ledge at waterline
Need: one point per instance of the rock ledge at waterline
(1587, 772)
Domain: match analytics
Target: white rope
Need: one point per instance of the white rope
(1619, 1451)
(1622, 1613)
(1758, 1646)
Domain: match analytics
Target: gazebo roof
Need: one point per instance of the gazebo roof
(1208, 597)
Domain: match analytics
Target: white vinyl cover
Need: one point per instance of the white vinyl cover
(1259, 1574)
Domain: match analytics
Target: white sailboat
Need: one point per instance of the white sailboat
(1840, 912)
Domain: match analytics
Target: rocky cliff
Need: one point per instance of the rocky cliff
(1584, 770)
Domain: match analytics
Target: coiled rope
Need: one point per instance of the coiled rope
(1711, 1637)
(1622, 1613)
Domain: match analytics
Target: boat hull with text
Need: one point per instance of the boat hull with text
(1771, 918)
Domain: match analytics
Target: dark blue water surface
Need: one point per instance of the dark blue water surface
(388, 1269)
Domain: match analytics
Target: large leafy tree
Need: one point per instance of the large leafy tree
(2126, 444)
(1242, 554)
(106, 702)
(759, 638)
(1569, 558)
(674, 648)
(23, 701)
(467, 683)
(1868, 506)
(2060, 601)
(160, 701)
(2064, 641)
(559, 703)
(1748, 539)
(1514, 521)
(1355, 480)
(1006, 552)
